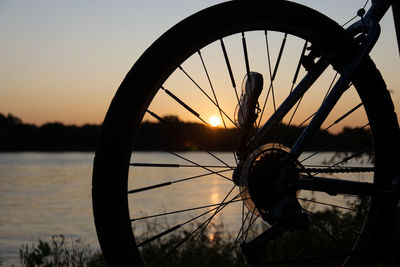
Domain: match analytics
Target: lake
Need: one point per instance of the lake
(42, 194)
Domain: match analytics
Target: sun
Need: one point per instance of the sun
(215, 121)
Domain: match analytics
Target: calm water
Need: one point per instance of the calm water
(42, 194)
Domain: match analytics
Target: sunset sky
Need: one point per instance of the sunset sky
(63, 60)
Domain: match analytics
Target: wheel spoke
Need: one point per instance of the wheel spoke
(146, 188)
(186, 238)
(332, 145)
(169, 165)
(215, 96)
(296, 74)
(279, 57)
(343, 116)
(183, 104)
(278, 60)
(298, 126)
(327, 204)
(188, 137)
(295, 110)
(209, 98)
(220, 207)
(354, 155)
(158, 236)
(246, 56)
(212, 87)
(252, 221)
(250, 224)
(271, 85)
(239, 235)
(228, 66)
(331, 85)
(184, 210)
(178, 226)
(208, 169)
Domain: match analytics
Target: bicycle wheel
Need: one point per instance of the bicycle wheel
(167, 205)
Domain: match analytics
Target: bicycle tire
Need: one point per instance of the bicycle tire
(124, 117)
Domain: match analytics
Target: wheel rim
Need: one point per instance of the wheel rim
(177, 96)
(248, 217)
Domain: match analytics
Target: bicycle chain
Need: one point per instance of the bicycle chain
(339, 170)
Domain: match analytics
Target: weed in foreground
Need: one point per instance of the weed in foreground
(214, 246)
(60, 252)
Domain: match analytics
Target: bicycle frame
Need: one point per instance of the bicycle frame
(396, 19)
(369, 29)
(380, 7)
(369, 22)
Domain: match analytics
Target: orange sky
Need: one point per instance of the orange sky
(64, 61)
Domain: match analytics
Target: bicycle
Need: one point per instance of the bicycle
(332, 79)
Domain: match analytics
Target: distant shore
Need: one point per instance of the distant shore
(18, 136)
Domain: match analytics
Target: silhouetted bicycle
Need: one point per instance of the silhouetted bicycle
(305, 77)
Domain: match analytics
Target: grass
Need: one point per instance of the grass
(60, 252)
(213, 247)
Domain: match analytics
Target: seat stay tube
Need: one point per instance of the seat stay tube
(396, 19)
(322, 113)
(339, 88)
(378, 9)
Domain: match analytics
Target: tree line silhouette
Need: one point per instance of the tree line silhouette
(170, 134)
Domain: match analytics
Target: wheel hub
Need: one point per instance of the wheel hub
(259, 175)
